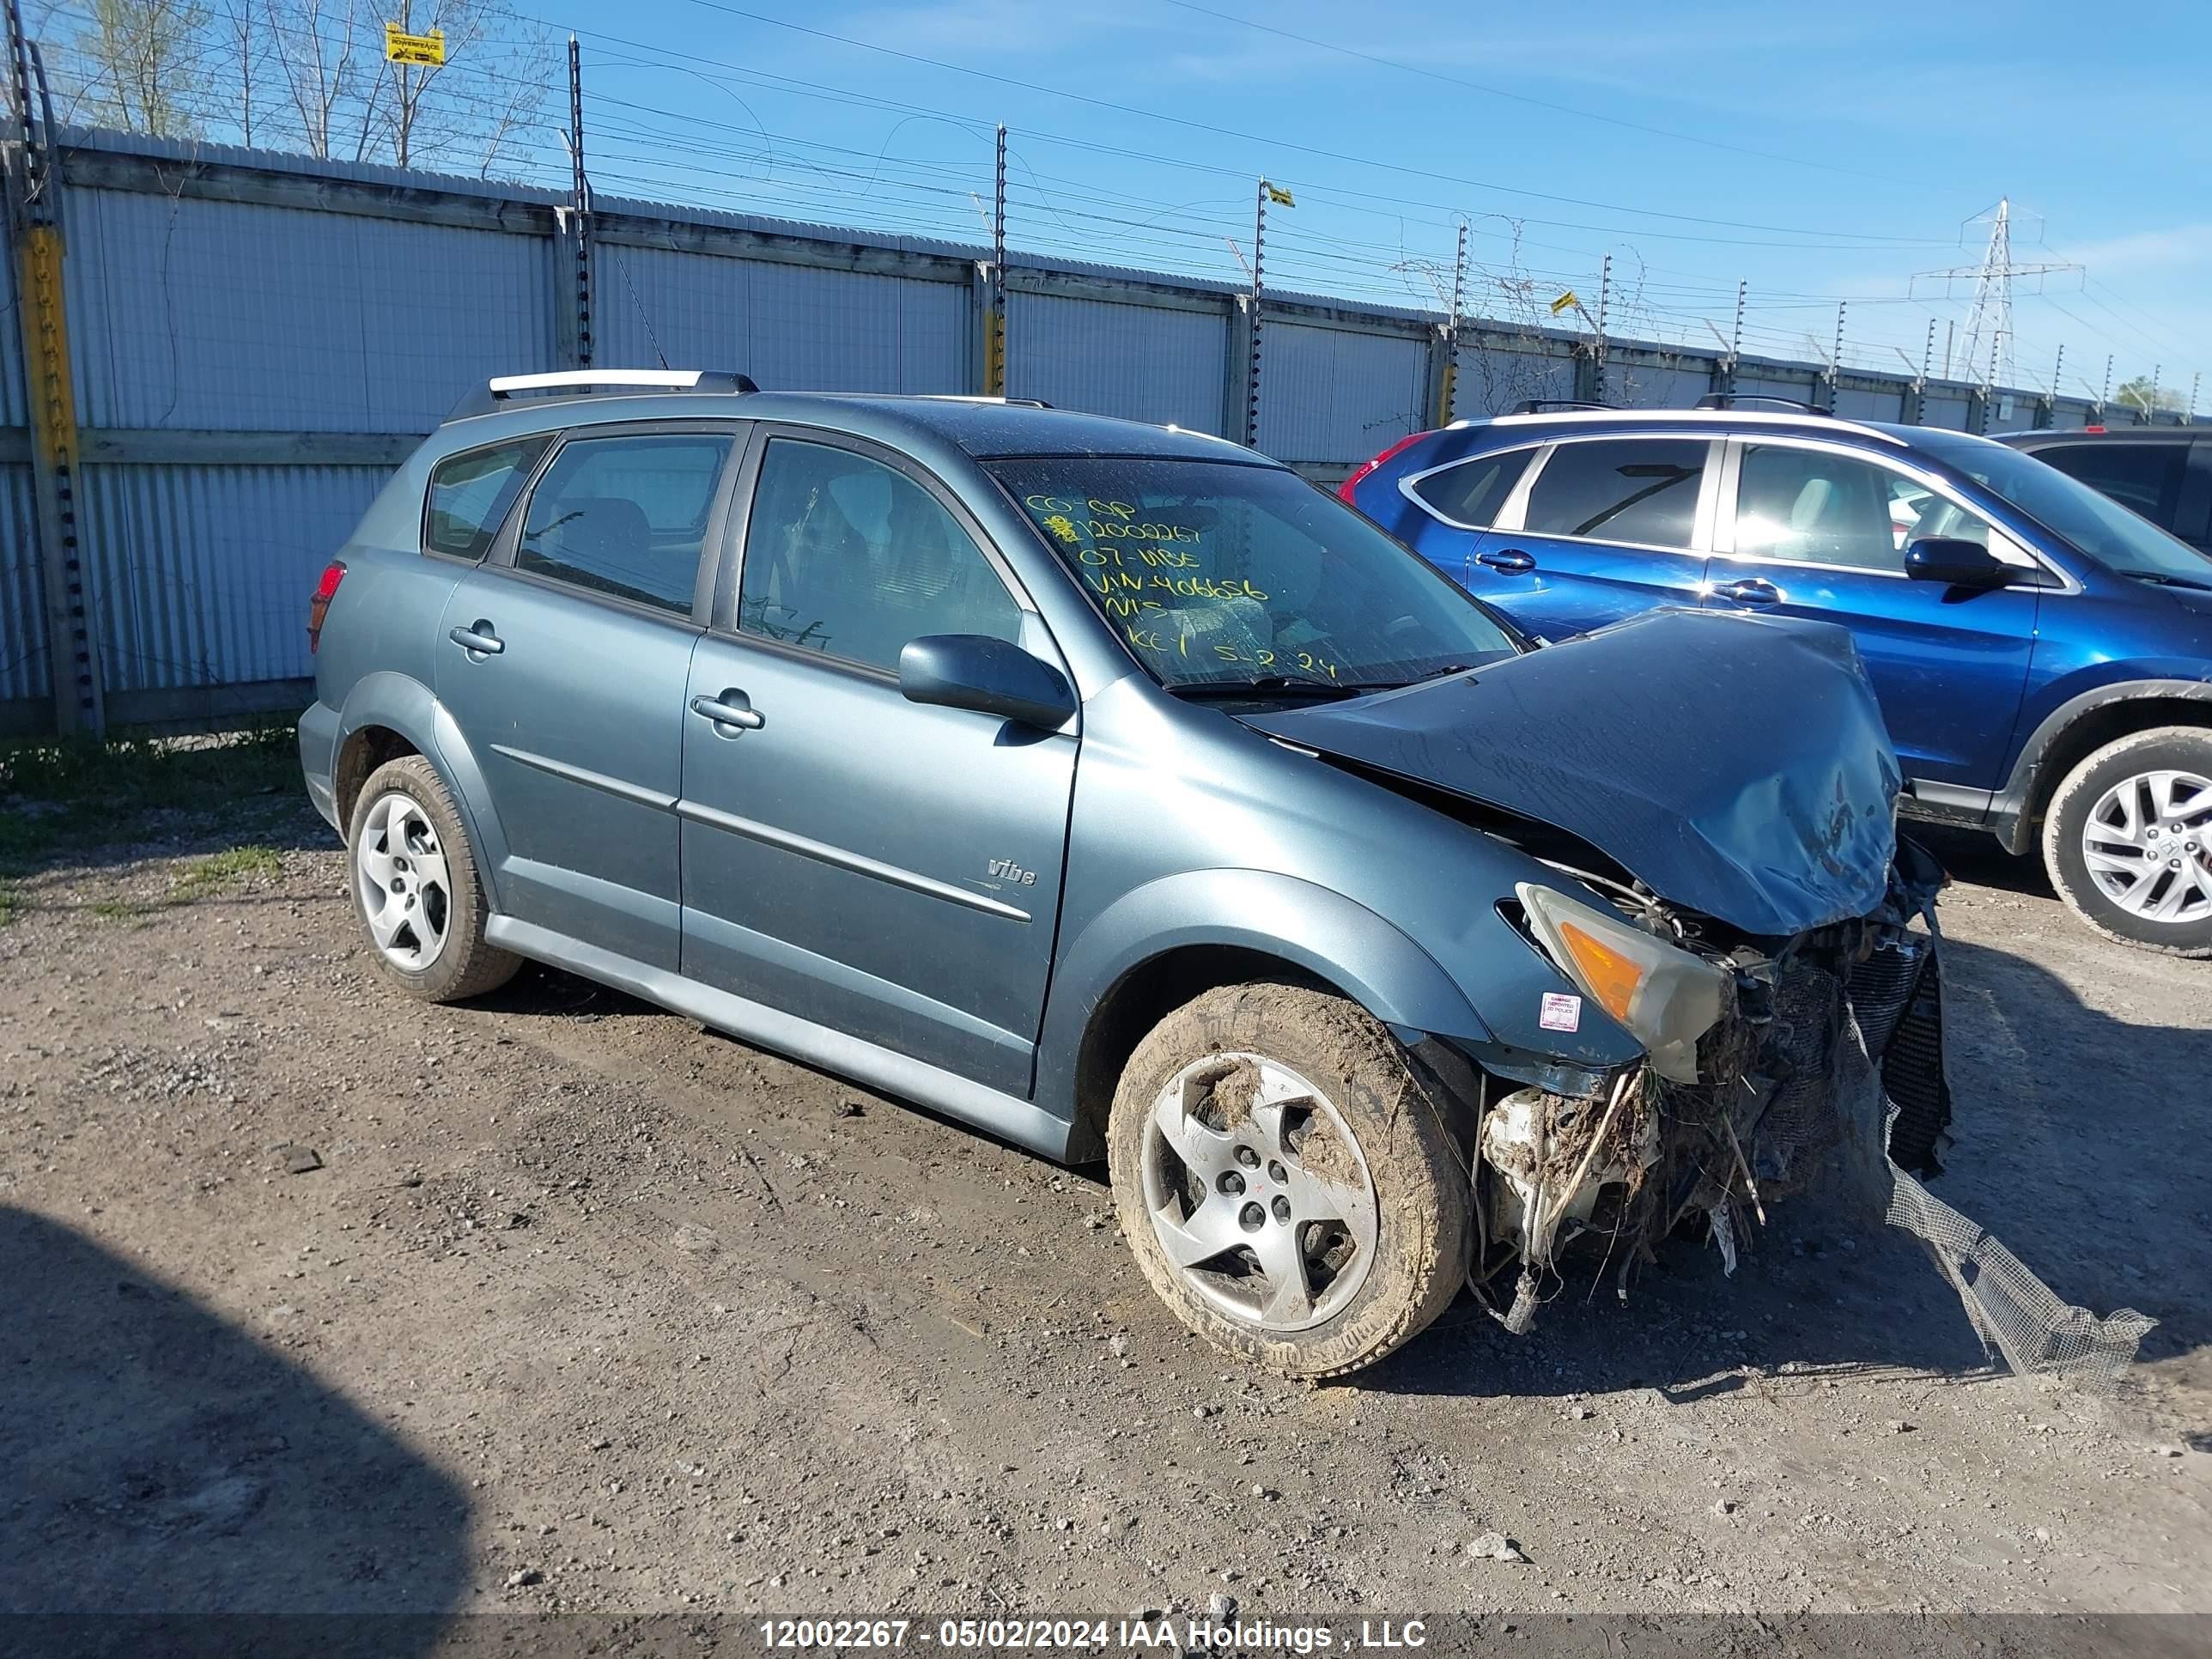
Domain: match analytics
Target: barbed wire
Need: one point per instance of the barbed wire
(638, 146)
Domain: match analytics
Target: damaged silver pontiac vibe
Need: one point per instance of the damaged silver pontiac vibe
(1113, 789)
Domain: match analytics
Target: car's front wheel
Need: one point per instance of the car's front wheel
(2127, 839)
(1286, 1183)
(416, 891)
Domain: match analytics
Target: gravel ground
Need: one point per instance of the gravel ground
(319, 1299)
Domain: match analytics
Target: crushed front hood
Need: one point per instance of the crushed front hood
(1736, 765)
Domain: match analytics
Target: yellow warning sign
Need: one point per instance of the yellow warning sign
(1564, 301)
(401, 47)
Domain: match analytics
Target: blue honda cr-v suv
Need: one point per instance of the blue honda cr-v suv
(2042, 655)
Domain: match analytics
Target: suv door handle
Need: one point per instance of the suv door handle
(732, 707)
(1510, 558)
(477, 639)
(1749, 591)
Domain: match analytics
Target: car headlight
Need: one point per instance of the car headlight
(1664, 997)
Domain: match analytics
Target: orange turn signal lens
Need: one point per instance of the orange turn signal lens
(1609, 976)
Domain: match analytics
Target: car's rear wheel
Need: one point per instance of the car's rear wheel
(2127, 839)
(1286, 1183)
(415, 892)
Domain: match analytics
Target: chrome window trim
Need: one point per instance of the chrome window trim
(1406, 484)
(1513, 516)
(1724, 532)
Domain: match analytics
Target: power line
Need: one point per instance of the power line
(1124, 110)
(1536, 103)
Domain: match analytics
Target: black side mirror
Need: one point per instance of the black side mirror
(992, 677)
(1957, 562)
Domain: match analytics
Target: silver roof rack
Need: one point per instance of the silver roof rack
(501, 389)
(1748, 418)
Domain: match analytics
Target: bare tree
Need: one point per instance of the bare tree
(317, 51)
(136, 66)
(241, 32)
(1504, 357)
(347, 100)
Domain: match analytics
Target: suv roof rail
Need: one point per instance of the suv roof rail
(501, 388)
(1553, 405)
(981, 397)
(1759, 400)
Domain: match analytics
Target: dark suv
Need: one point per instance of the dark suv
(1115, 790)
(2165, 473)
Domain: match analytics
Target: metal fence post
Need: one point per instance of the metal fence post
(33, 193)
(1239, 390)
(995, 292)
(1443, 348)
(2046, 407)
(1252, 323)
(579, 249)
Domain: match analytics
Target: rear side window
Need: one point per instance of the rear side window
(1471, 493)
(1629, 489)
(2145, 477)
(626, 516)
(469, 495)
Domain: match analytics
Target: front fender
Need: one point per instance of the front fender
(1328, 935)
(406, 706)
(2117, 683)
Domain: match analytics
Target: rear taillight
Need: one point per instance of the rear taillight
(2092, 428)
(1344, 491)
(319, 606)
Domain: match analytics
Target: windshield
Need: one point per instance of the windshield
(1216, 574)
(2099, 526)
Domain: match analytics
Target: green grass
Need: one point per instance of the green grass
(201, 878)
(56, 798)
(7, 903)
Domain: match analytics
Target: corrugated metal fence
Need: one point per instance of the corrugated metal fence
(257, 339)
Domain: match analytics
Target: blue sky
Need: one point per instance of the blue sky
(1817, 152)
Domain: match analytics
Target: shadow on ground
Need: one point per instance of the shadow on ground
(162, 1460)
(2072, 1147)
(1976, 856)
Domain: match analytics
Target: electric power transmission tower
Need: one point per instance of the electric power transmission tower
(1987, 357)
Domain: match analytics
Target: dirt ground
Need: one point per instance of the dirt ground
(319, 1299)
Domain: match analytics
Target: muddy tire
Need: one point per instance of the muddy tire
(416, 891)
(2127, 840)
(1285, 1181)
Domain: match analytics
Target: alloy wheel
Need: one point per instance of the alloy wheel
(1258, 1192)
(404, 887)
(2148, 844)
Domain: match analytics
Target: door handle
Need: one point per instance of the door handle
(477, 639)
(732, 707)
(1749, 591)
(1510, 558)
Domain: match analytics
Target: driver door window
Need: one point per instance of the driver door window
(848, 558)
(1819, 534)
(1815, 507)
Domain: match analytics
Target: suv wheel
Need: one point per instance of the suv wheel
(415, 887)
(2127, 839)
(1285, 1181)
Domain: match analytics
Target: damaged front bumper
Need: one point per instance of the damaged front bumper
(1825, 1063)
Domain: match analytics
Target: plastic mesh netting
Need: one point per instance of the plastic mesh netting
(2016, 1315)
